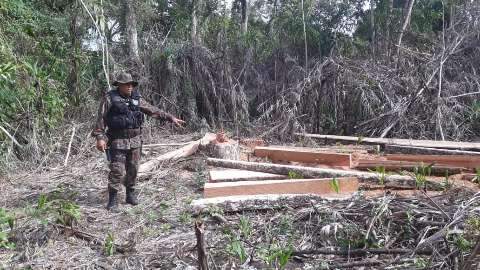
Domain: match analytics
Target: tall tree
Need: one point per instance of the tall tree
(131, 34)
(244, 24)
(194, 31)
(404, 28)
(75, 39)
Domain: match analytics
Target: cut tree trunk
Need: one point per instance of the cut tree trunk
(307, 155)
(225, 150)
(403, 142)
(311, 172)
(291, 186)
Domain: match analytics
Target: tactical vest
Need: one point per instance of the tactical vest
(124, 112)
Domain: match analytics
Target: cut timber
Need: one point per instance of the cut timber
(226, 150)
(164, 145)
(350, 148)
(311, 172)
(452, 160)
(260, 202)
(242, 175)
(401, 149)
(306, 155)
(395, 165)
(291, 186)
(185, 151)
(405, 142)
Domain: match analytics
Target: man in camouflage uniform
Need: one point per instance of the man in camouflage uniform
(118, 131)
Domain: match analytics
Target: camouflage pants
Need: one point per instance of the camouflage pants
(123, 167)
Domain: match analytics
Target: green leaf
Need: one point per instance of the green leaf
(335, 185)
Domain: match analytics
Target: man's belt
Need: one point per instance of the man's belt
(123, 133)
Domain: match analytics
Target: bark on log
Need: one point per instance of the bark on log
(394, 165)
(311, 172)
(185, 151)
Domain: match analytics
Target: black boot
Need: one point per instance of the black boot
(112, 199)
(131, 197)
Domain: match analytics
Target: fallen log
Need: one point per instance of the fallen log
(242, 175)
(234, 204)
(405, 142)
(291, 186)
(182, 152)
(402, 149)
(470, 162)
(312, 172)
(307, 155)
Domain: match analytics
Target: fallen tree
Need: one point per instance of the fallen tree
(312, 172)
(182, 152)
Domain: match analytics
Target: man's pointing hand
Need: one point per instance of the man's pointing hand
(178, 122)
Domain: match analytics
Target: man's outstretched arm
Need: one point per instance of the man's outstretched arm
(154, 112)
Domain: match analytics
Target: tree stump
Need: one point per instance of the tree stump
(229, 149)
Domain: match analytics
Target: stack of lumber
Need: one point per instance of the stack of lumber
(336, 171)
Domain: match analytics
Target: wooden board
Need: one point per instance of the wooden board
(402, 149)
(292, 186)
(312, 172)
(395, 165)
(304, 155)
(470, 162)
(406, 142)
(242, 175)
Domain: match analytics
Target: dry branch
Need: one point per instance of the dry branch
(201, 247)
(185, 151)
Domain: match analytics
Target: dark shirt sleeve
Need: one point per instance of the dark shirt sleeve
(154, 112)
(100, 126)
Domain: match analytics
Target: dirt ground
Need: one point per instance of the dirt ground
(159, 232)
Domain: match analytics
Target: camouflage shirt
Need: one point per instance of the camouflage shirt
(100, 130)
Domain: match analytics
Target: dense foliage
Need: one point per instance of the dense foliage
(344, 66)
